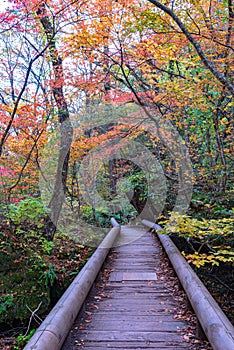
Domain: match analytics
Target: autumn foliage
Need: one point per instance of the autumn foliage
(76, 75)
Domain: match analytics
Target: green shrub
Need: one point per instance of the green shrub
(30, 209)
(23, 339)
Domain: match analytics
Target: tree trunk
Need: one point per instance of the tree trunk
(66, 131)
(223, 176)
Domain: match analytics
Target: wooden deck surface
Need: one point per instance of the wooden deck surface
(131, 307)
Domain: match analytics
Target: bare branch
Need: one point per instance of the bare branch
(26, 162)
(33, 316)
(13, 114)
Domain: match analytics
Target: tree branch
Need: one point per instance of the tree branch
(210, 65)
(13, 114)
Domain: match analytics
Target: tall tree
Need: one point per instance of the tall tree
(66, 131)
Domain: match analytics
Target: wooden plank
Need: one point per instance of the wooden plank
(138, 325)
(133, 287)
(139, 276)
(135, 318)
(133, 276)
(137, 303)
(123, 335)
(146, 294)
(143, 310)
(133, 314)
(118, 345)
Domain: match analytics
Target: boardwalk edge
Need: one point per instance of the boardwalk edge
(54, 329)
(215, 324)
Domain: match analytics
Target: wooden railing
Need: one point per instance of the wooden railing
(54, 329)
(216, 326)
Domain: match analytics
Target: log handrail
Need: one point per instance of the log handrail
(114, 223)
(216, 326)
(54, 329)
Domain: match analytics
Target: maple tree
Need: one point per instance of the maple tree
(32, 47)
(128, 53)
(222, 77)
(150, 62)
(21, 133)
(81, 76)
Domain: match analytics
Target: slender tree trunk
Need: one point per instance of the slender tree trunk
(210, 159)
(223, 177)
(66, 132)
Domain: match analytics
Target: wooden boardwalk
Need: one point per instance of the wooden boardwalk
(131, 307)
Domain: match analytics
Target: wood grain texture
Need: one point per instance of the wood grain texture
(131, 307)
